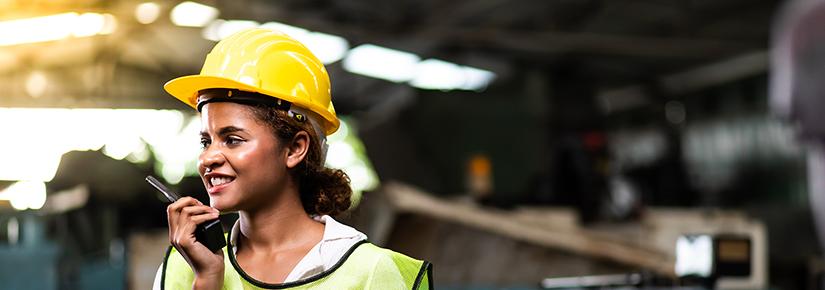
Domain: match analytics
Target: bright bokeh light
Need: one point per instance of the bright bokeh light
(88, 24)
(292, 31)
(109, 24)
(42, 136)
(38, 29)
(476, 79)
(38, 138)
(328, 48)
(210, 32)
(346, 152)
(434, 74)
(13, 232)
(398, 66)
(362, 177)
(694, 256)
(147, 12)
(191, 14)
(340, 154)
(141, 155)
(25, 195)
(36, 84)
(381, 63)
(220, 29)
(341, 134)
(55, 27)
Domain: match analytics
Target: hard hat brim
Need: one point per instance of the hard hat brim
(186, 89)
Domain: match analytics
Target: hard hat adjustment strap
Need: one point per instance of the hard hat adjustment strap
(247, 98)
(238, 96)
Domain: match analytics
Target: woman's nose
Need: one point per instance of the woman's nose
(210, 159)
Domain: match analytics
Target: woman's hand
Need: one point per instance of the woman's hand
(184, 215)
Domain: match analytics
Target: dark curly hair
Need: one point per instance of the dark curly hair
(323, 191)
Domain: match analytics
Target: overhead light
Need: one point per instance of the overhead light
(382, 63)
(292, 31)
(476, 79)
(29, 166)
(434, 74)
(147, 12)
(50, 133)
(55, 27)
(191, 14)
(220, 29)
(109, 24)
(210, 32)
(328, 48)
(88, 24)
(39, 29)
(25, 195)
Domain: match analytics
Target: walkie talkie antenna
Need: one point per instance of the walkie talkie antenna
(170, 195)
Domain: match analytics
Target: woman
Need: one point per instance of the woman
(265, 110)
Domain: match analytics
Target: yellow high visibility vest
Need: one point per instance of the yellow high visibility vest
(364, 266)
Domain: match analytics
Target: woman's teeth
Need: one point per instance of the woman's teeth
(219, 180)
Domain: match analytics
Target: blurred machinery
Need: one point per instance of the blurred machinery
(666, 248)
(702, 262)
(798, 95)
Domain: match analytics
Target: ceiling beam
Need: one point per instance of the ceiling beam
(685, 82)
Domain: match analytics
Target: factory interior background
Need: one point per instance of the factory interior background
(513, 144)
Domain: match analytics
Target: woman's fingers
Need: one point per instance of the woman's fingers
(185, 232)
(179, 214)
(195, 210)
(184, 216)
(174, 209)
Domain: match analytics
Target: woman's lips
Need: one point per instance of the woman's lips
(214, 189)
(216, 182)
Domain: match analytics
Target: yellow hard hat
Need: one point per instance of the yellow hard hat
(267, 62)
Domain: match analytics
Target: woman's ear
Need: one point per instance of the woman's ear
(297, 149)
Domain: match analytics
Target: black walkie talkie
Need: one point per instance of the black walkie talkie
(208, 233)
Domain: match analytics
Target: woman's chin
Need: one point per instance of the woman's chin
(221, 205)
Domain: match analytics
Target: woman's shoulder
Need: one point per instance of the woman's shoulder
(391, 265)
(373, 251)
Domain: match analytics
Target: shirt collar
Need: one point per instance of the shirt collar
(333, 230)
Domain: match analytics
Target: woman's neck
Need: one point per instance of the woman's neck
(282, 225)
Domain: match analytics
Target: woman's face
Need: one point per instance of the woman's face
(242, 162)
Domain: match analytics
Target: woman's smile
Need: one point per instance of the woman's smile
(216, 182)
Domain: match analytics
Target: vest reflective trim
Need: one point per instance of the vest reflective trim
(352, 271)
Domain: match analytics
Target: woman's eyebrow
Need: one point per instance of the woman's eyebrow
(229, 129)
(224, 131)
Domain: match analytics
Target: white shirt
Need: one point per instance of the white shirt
(337, 240)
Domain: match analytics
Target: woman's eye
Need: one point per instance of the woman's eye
(233, 141)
